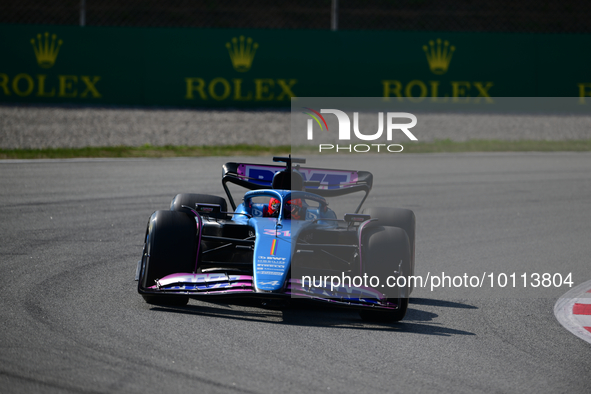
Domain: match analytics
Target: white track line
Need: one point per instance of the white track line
(563, 310)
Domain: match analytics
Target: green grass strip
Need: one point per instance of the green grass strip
(257, 150)
(143, 151)
(498, 146)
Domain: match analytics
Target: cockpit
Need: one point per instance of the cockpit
(292, 205)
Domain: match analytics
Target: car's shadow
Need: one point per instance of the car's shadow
(417, 321)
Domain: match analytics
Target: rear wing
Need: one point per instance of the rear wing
(321, 181)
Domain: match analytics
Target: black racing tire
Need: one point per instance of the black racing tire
(190, 199)
(384, 248)
(170, 248)
(397, 217)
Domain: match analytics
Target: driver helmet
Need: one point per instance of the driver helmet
(295, 207)
(273, 208)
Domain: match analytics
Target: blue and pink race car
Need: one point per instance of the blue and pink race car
(281, 242)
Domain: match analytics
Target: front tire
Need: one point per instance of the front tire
(397, 217)
(384, 250)
(170, 248)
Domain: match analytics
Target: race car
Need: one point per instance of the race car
(282, 241)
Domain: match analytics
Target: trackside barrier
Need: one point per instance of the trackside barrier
(245, 68)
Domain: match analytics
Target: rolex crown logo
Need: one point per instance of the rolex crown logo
(242, 53)
(439, 56)
(46, 49)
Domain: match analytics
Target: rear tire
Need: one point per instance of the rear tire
(383, 249)
(170, 248)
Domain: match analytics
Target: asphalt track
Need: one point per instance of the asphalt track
(71, 320)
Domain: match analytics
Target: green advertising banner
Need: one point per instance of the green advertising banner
(265, 68)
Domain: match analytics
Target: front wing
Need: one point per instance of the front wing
(222, 284)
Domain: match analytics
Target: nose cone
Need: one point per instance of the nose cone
(272, 254)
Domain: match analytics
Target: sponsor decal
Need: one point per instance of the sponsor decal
(439, 54)
(439, 57)
(46, 48)
(273, 247)
(327, 179)
(242, 52)
(270, 265)
(279, 233)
